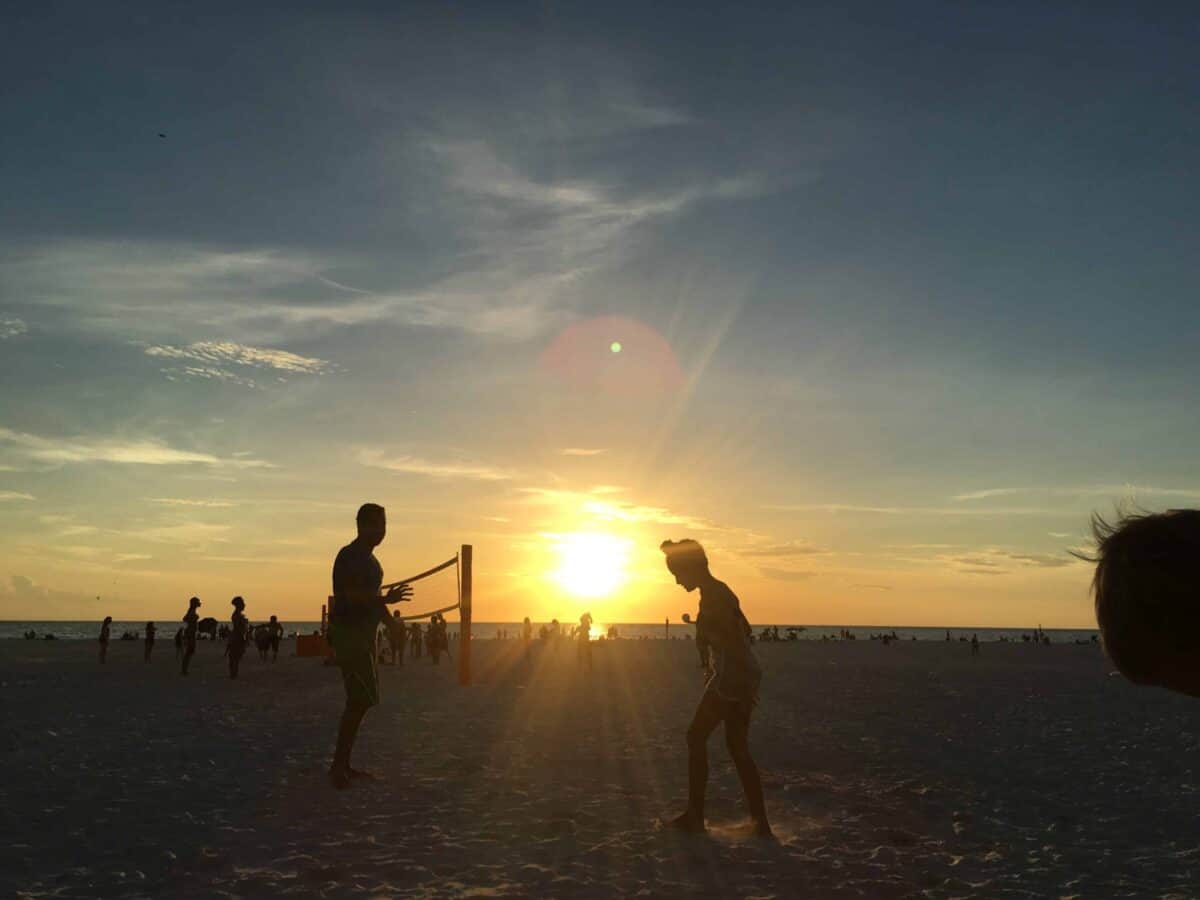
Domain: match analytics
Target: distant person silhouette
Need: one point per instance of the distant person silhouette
(276, 632)
(1145, 586)
(260, 635)
(358, 611)
(191, 621)
(150, 632)
(730, 690)
(437, 637)
(397, 637)
(238, 635)
(105, 628)
(527, 635)
(584, 641)
(974, 645)
(415, 638)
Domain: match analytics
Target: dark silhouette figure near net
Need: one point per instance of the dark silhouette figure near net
(191, 622)
(583, 637)
(105, 628)
(239, 635)
(358, 610)
(150, 632)
(732, 678)
(275, 629)
(397, 637)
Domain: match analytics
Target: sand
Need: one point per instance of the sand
(909, 770)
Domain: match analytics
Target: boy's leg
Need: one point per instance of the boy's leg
(737, 739)
(708, 716)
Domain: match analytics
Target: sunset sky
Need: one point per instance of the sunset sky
(878, 302)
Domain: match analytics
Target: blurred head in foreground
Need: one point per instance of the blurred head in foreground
(1147, 589)
(687, 562)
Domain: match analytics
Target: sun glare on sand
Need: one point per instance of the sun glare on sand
(591, 564)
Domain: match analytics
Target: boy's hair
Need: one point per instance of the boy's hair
(1147, 589)
(685, 554)
(369, 512)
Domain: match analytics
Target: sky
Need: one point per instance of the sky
(880, 302)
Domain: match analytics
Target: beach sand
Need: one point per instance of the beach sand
(908, 770)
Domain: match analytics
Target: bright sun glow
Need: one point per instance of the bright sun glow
(591, 564)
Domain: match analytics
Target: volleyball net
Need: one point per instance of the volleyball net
(448, 593)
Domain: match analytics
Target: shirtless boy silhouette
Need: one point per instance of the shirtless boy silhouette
(730, 690)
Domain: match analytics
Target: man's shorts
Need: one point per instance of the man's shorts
(360, 673)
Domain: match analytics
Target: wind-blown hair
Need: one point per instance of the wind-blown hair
(1147, 590)
(684, 555)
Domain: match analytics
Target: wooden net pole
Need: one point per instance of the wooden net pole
(464, 617)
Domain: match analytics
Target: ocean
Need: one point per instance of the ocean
(90, 630)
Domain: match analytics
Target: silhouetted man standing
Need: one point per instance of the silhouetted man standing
(358, 611)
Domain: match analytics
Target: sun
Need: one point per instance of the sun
(591, 564)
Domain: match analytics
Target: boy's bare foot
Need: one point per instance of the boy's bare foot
(339, 777)
(361, 774)
(687, 823)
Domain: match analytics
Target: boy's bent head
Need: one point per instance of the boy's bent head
(1147, 589)
(687, 561)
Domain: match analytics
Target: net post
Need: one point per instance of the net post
(464, 616)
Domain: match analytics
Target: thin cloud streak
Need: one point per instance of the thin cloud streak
(850, 508)
(179, 501)
(414, 465)
(1123, 490)
(219, 353)
(145, 451)
(8, 496)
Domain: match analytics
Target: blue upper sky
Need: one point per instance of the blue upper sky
(927, 271)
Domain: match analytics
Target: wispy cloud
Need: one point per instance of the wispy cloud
(142, 289)
(11, 328)
(602, 506)
(1042, 560)
(194, 534)
(8, 496)
(853, 509)
(1124, 491)
(137, 451)
(216, 360)
(582, 451)
(532, 243)
(998, 561)
(414, 465)
(785, 574)
(782, 551)
(179, 501)
(131, 557)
